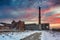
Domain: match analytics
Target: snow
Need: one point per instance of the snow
(15, 35)
(50, 35)
(46, 35)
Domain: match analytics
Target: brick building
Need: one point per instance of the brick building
(20, 26)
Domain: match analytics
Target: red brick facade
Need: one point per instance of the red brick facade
(20, 26)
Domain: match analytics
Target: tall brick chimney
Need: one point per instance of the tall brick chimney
(39, 15)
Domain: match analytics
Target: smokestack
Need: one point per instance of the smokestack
(39, 15)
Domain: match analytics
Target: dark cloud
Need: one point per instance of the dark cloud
(56, 2)
(5, 2)
(6, 5)
(48, 14)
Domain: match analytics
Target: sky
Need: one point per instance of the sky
(27, 11)
(51, 12)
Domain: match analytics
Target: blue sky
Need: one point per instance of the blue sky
(17, 9)
(26, 10)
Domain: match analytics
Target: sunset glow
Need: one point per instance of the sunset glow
(28, 11)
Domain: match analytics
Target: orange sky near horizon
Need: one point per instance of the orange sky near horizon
(54, 19)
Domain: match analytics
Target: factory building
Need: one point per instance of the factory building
(43, 26)
(19, 26)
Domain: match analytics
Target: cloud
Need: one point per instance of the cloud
(56, 2)
(27, 10)
(5, 2)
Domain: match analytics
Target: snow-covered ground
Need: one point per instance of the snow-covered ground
(15, 35)
(50, 35)
(46, 35)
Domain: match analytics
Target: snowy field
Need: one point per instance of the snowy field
(15, 35)
(50, 35)
(46, 35)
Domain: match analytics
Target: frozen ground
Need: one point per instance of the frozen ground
(50, 35)
(15, 35)
(46, 35)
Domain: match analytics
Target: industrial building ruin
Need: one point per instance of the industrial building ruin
(21, 26)
(14, 26)
(43, 26)
(39, 26)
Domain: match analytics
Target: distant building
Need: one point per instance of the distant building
(20, 26)
(31, 27)
(42, 26)
(13, 24)
(2, 27)
(45, 26)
